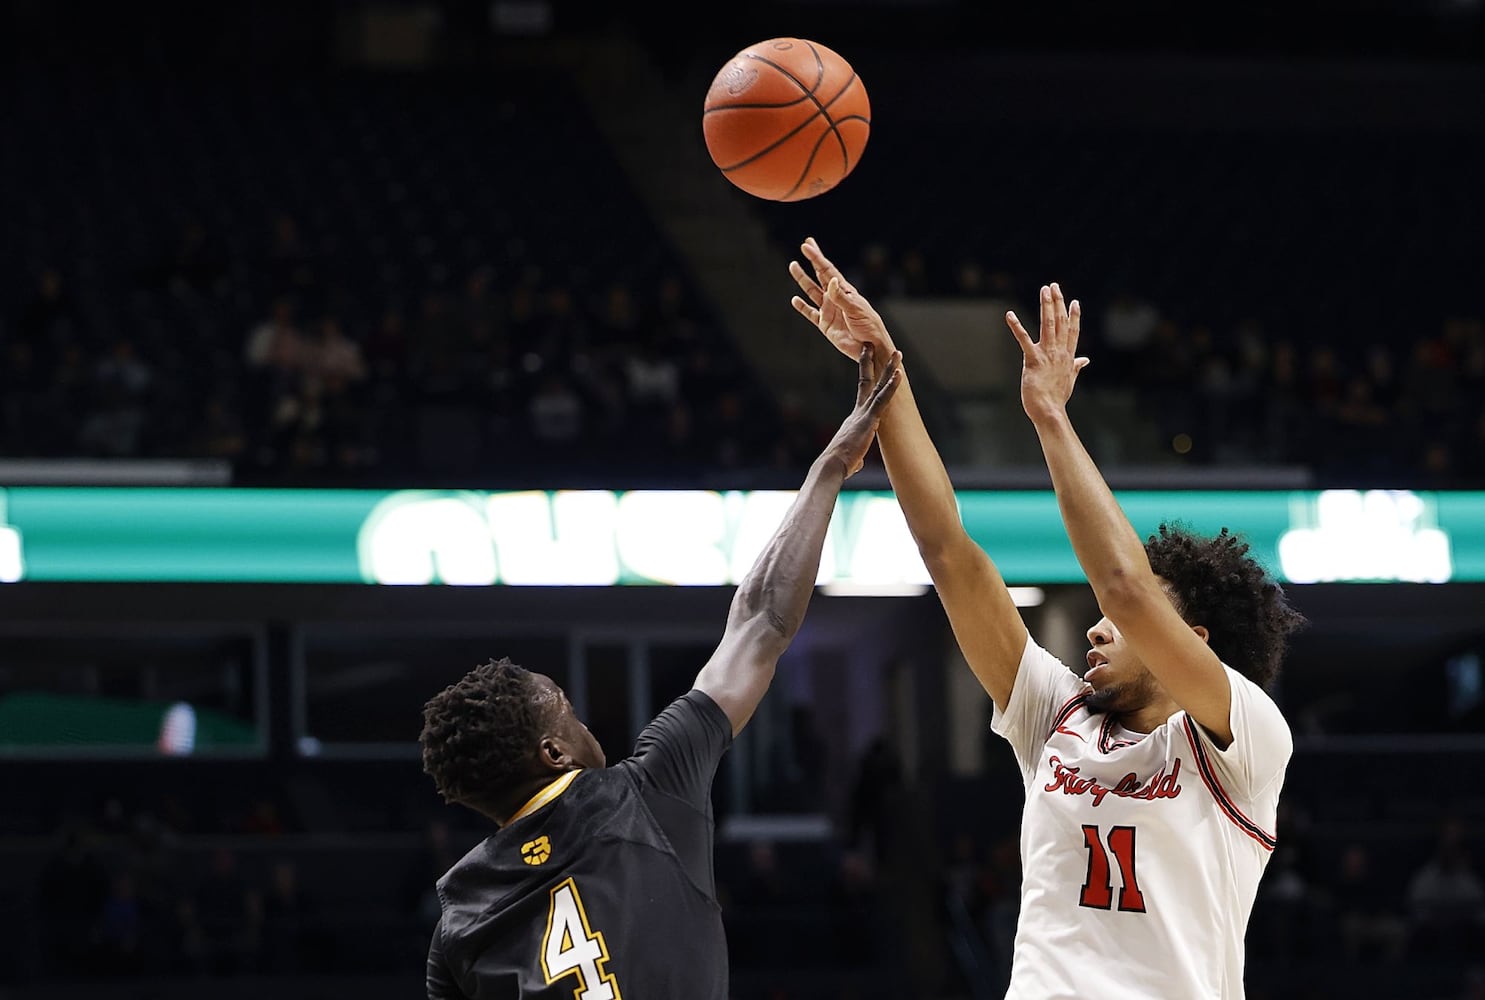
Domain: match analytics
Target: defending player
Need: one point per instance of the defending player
(599, 881)
(1152, 781)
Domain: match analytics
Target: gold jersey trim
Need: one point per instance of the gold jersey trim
(547, 794)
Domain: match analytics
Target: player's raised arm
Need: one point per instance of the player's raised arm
(985, 621)
(1110, 551)
(770, 602)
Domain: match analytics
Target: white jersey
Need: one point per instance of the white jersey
(1140, 854)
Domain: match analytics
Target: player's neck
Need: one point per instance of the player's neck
(1150, 717)
(523, 798)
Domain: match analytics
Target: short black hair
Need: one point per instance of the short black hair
(1218, 584)
(480, 735)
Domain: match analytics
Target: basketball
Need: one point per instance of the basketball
(786, 119)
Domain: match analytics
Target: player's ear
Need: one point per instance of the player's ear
(554, 755)
(1201, 630)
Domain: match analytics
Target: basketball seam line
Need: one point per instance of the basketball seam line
(845, 156)
(809, 162)
(809, 94)
(822, 111)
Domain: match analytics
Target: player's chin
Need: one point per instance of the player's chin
(1104, 699)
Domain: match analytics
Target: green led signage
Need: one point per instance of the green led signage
(676, 538)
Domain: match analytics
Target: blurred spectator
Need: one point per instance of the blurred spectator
(120, 930)
(275, 355)
(1128, 329)
(219, 433)
(419, 887)
(762, 881)
(222, 918)
(964, 873)
(914, 278)
(386, 352)
(45, 322)
(1368, 921)
(852, 900)
(556, 412)
(653, 382)
(288, 262)
(481, 309)
(263, 819)
(878, 776)
(874, 275)
(1001, 885)
(276, 343)
(194, 262)
(332, 359)
(436, 348)
(619, 317)
(70, 897)
(118, 422)
(288, 935)
(1281, 913)
(796, 437)
(1446, 900)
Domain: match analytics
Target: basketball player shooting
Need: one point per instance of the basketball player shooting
(1152, 780)
(599, 881)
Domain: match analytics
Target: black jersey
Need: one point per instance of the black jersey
(601, 887)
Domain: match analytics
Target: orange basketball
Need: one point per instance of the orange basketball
(786, 119)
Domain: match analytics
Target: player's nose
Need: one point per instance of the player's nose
(1101, 633)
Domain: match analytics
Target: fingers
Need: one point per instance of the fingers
(1048, 329)
(806, 310)
(822, 264)
(808, 285)
(1074, 327)
(1059, 315)
(842, 298)
(1019, 332)
(865, 374)
(887, 382)
(835, 295)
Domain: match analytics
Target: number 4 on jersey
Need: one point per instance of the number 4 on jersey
(1098, 888)
(572, 948)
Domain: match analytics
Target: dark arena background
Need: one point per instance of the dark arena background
(346, 345)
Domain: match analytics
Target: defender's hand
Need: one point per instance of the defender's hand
(873, 392)
(834, 306)
(1051, 363)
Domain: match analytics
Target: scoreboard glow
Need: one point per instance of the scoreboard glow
(676, 538)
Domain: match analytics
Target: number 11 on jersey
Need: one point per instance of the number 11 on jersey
(572, 948)
(1098, 888)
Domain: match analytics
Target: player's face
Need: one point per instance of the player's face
(1119, 680)
(574, 737)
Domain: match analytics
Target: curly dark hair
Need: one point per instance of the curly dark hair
(1216, 583)
(479, 735)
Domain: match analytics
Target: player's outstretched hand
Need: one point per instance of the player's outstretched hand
(1051, 362)
(873, 391)
(834, 306)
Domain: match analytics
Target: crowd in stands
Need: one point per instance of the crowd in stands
(148, 887)
(1323, 903)
(1380, 408)
(518, 374)
(366, 280)
(127, 893)
(397, 281)
(502, 376)
(120, 896)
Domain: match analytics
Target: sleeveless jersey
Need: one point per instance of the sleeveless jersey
(1141, 854)
(601, 887)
